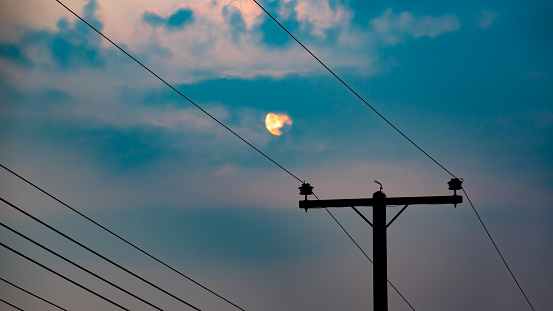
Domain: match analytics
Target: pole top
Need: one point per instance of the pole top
(379, 195)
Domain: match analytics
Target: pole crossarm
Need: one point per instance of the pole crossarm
(395, 217)
(428, 200)
(362, 216)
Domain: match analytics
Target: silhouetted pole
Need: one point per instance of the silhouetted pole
(379, 202)
(380, 253)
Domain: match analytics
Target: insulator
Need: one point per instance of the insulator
(455, 184)
(306, 189)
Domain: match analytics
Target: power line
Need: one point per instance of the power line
(497, 249)
(259, 151)
(28, 292)
(367, 256)
(9, 304)
(212, 117)
(197, 106)
(120, 238)
(99, 255)
(62, 276)
(356, 94)
(79, 266)
(58, 200)
(399, 131)
(184, 96)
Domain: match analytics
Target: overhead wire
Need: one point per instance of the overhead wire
(151, 256)
(11, 305)
(499, 252)
(63, 203)
(259, 151)
(398, 130)
(212, 117)
(80, 267)
(349, 88)
(197, 106)
(99, 255)
(34, 295)
(182, 95)
(63, 277)
(120, 238)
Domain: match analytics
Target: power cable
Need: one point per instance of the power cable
(86, 217)
(36, 296)
(346, 85)
(119, 237)
(79, 266)
(367, 256)
(259, 151)
(63, 277)
(9, 304)
(188, 99)
(497, 249)
(58, 200)
(184, 96)
(395, 128)
(99, 255)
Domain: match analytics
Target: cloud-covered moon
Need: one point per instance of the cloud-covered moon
(278, 123)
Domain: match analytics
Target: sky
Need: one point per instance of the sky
(470, 82)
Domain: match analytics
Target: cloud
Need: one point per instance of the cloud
(485, 19)
(174, 21)
(14, 53)
(321, 16)
(69, 46)
(223, 38)
(395, 28)
(233, 17)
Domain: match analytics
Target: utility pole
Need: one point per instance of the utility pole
(379, 202)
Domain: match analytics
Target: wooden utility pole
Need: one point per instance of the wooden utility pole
(379, 202)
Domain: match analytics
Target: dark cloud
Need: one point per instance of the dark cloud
(175, 21)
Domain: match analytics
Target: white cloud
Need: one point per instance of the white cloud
(321, 16)
(486, 18)
(209, 46)
(394, 28)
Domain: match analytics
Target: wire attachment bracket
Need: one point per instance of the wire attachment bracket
(305, 190)
(455, 184)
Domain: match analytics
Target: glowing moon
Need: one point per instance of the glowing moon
(278, 123)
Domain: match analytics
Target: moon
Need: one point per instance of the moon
(278, 123)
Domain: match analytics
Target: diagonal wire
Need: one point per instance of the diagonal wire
(9, 304)
(497, 249)
(80, 267)
(395, 128)
(28, 292)
(349, 88)
(98, 254)
(362, 251)
(119, 237)
(184, 96)
(62, 276)
(259, 151)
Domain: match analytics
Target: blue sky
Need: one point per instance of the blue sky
(471, 82)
